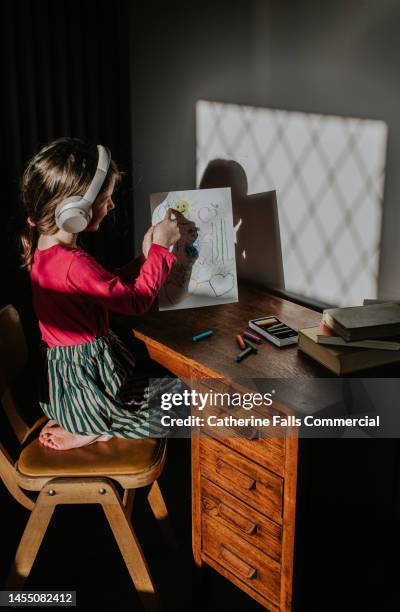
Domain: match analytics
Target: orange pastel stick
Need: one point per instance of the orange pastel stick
(240, 342)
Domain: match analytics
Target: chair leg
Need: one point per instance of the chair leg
(160, 511)
(29, 545)
(127, 502)
(132, 553)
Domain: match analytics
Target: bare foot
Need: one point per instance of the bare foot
(58, 438)
(45, 430)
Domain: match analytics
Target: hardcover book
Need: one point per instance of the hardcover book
(364, 322)
(343, 360)
(326, 335)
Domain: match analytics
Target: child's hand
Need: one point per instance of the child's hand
(166, 233)
(147, 241)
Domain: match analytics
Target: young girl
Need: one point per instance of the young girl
(94, 392)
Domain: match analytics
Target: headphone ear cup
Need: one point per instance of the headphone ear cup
(73, 221)
(73, 215)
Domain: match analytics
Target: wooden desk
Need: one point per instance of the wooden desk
(168, 337)
(243, 492)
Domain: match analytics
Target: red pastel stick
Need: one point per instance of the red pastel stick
(240, 342)
(251, 336)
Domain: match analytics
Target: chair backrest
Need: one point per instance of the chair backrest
(13, 349)
(13, 358)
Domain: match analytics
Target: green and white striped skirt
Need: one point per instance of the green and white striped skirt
(95, 388)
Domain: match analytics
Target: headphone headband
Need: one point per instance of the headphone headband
(74, 213)
(103, 164)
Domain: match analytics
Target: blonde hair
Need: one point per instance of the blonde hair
(62, 168)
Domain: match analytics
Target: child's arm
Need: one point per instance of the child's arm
(86, 277)
(130, 271)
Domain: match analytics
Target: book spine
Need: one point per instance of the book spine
(330, 322)
(365, 344)
(306, 345)
(327, 319)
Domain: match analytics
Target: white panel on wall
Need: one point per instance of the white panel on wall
(329, 175)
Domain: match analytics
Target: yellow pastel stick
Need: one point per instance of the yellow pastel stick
(266, 322)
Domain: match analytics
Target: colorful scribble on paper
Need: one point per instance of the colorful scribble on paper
(205, 271)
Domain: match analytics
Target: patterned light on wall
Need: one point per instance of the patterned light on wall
(329, 175)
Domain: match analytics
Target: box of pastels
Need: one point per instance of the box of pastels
(274, 330)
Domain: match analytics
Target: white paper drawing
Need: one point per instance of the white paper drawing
(205, 271)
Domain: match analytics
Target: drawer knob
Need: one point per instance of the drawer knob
(237, 565)
(238, 520)
(232, 473)
(254, 434)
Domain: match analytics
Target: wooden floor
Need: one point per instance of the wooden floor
(79, 552)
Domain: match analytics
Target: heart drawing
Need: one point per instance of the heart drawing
(206, 214)
(222, 283)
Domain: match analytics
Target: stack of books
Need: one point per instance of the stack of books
(354, 338)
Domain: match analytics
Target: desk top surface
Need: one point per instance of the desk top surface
(174, 329)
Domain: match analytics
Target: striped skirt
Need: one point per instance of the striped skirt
(95, 388)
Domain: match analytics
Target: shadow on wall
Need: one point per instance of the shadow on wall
(256, 222)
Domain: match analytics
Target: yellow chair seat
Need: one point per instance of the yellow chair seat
(115, 457)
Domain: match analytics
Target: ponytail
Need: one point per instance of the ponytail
(29, 240)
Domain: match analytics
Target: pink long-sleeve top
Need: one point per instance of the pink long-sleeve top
(72, 293)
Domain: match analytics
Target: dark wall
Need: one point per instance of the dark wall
(178, 57)
(323, 57)
(130, 76)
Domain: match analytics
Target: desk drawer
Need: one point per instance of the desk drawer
(258, 443)
(243, 561)
(246, 480)
(269, 453)
(246, 522)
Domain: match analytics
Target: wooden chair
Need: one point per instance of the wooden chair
(42, 478)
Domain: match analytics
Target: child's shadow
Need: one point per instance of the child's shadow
(256, 225)
(227, 173)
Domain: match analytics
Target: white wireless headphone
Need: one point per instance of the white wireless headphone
(74, 214)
